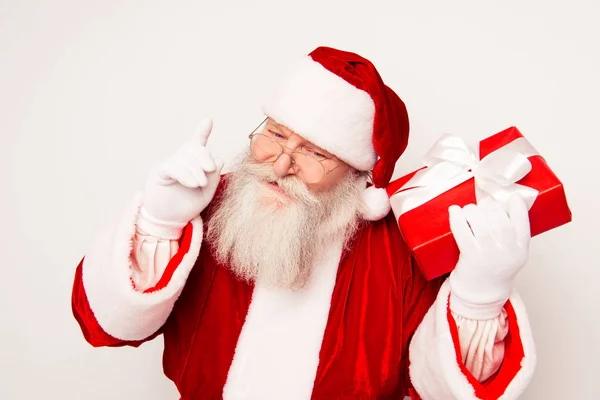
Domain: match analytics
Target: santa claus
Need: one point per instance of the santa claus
(288, 278)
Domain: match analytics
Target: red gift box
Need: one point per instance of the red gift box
(422, 213)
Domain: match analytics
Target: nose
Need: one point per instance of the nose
(283, 166)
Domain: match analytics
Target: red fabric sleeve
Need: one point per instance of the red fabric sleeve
(184, 246)
(419, 294)
(495, 386)
(92, 331)
(412, 393)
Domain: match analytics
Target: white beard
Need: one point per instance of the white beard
(263, 237)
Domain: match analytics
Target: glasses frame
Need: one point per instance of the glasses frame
(292, 152)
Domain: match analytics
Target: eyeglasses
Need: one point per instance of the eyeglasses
(267, 146)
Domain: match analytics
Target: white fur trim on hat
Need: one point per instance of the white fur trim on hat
(376, 202)
(326, 110)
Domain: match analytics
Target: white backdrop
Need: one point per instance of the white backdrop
(94, 93)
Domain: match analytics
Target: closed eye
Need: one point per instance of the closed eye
(314, 153)
(276, 135)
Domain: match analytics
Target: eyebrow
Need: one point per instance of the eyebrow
(279, 127)
(275, 124)
(318, 149)
(314, 146)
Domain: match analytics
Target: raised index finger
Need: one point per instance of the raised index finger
(203, 131)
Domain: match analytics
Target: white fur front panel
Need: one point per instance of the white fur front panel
(277, 353)
(120, 310)
(326, 110)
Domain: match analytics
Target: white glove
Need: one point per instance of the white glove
(179, 188)
(494, 246)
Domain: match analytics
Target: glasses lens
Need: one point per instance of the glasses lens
(264, 149)
(308, 169)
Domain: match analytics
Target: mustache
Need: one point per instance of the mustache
(291, 184)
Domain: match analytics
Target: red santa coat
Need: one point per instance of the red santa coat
(346, 337)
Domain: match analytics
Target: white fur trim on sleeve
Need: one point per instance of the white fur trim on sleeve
(434, 370)
(120, 310)
(327, 111)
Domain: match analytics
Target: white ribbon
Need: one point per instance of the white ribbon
(451, 162)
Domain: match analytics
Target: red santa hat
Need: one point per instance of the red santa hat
(337, 100)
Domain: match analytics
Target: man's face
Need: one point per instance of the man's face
(335, 168)
(269, 224)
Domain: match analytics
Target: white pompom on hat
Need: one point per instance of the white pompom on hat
(337, 100)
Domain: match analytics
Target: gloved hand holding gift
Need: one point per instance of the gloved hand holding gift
(454, 174)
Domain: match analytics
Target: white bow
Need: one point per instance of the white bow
(451, 162)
